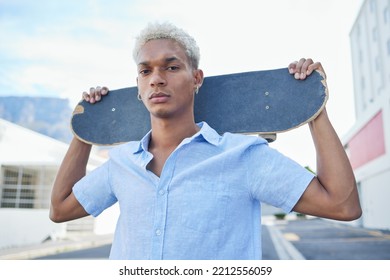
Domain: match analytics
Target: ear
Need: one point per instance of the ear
(198, 75)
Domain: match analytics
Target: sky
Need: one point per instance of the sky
(61, 48)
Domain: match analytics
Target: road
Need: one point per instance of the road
(101, 252)
(311, 239)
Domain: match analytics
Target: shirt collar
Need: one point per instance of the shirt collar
(206, 132)
(143, 143)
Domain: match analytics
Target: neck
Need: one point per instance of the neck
(168, 133)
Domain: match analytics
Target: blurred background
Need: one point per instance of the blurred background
(51, 51)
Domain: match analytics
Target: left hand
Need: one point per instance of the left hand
(304, 67)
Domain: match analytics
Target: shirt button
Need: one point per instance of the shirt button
(161, 192)
(158, 232)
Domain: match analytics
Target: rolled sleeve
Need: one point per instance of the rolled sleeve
(276, 179)
(94, 192)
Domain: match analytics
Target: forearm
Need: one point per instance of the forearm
(72, 169)
(333, 194)
(333, 167)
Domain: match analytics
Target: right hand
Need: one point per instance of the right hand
(95, 94)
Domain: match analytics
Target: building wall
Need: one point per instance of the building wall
(368, 141)
(375, 203)
(27, 226)
(370, 48)
(28, 165)
(360, 146)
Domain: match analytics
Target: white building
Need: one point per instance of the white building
(368, 141)
(29, 162)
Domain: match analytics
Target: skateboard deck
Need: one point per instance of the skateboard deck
(263, 102)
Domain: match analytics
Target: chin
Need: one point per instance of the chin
(162, 114)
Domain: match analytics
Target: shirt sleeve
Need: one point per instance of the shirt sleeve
(94, 191)
(276, 179)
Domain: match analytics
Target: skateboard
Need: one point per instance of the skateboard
(263, 102)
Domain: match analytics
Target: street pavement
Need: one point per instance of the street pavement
(289, 239)
(320, 239)
(52, 248)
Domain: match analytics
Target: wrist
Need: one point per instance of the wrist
(322, 116)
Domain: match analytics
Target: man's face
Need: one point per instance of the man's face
(166, 81)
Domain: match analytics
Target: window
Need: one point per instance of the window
(16, 190)
(23, 187)
(388, 47)
(374, 34)
(360, 56)
(372, 6)
(10, 177)
(377, 64)
(358, 31)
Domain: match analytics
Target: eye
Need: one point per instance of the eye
(173, 68)
(144, 72)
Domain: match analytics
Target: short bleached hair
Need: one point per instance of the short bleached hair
(167, 30)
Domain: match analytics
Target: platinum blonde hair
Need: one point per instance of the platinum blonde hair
(167, 30)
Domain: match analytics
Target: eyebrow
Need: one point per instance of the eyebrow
(170, 59)
(166, 60)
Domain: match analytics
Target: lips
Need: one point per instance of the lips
(159, 97)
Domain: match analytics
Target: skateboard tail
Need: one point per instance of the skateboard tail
(270, 136)
(78, 112)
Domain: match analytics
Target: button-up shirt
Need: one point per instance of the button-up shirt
(204, 205)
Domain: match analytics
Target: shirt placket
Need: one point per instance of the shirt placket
(161, 209)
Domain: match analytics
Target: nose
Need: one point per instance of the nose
(157, 79)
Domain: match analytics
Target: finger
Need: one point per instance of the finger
(85, 96)
(92, 95)
(298, 68)
(292, 67)
(315, 66)
(98, 93)
(104, 90)
(305, 67)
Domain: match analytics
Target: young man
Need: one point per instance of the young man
(186, 192)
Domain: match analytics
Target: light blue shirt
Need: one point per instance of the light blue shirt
(205, 204)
